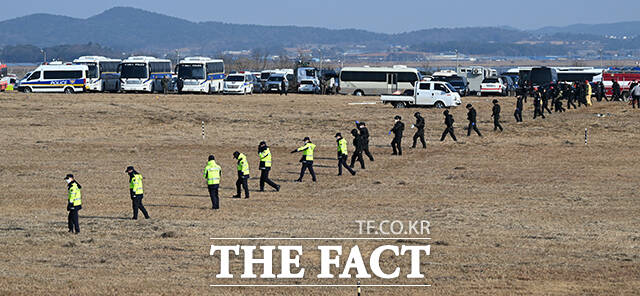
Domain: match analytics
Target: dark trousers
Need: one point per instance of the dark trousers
(307, 165)
(213, 194)
(283, 91)
(419, 135)
(264, 178)
(396, 144)
(342, 162)
(473, 126)
(570, 103)
(357, 155)
(72, 220)
(518, 115)
(496, 123)
(448, 130)
(538, 112)
(242, 181)
(546, 107)
(635, 100)
(558, 107)
(137, 204)
(616, 96)
(365, 149)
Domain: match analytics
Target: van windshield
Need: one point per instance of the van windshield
(133, 71)
(276, 78)
(235, 78)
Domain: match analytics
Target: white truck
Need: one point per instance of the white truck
(440, 94)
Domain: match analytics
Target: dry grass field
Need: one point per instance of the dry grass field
(531, 210)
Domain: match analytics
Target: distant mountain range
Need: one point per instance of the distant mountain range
(131, 29)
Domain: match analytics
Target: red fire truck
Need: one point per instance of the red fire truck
(624, 76)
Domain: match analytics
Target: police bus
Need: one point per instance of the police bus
(361, 81)
(145, 74)
(200, 74)
(103, 73)
(55, 77)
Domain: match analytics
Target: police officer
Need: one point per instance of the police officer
(537, 107)
(615, 87)
(283, 87)
(571, 92)
(398, 128)
(518, 112)
(265, 166)
(420, 131)
(357, 153)
(545, 100)
(343, 155)
(137, 192)
(212, 174)
(307, 158)
(495, 113)
(364, 134)
(448, 121)
(473, 124)
(74, 203)
(243, 174)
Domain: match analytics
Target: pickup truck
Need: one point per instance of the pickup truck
(440, 94)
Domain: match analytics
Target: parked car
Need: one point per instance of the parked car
(459, 82)
(274, 82)
(309, 86)
(238, 84)
(439, 94)
(493, 86)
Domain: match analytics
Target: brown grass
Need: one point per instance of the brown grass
(531, 210)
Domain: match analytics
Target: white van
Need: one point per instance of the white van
(238, 83)
(55, 77)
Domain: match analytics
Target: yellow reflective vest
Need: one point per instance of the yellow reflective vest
(136, 184)
(307, 150)
(265, 157)
(212, 173)
(342, 147)
(75, 196)
(243, 164)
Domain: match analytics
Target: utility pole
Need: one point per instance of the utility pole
(457, 64)
(601, 63)
(177, 56)
(44, 55)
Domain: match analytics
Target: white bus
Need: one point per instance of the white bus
(140, 73)
(200, 74)
(362, 81)
(103, 73)
(55, 77)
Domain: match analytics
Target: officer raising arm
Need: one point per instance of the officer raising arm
(307, 158)
(243, 174)
(74, 203)
(265, 166)
(137, 192)
(212, 175)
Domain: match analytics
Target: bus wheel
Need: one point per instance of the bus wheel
(358, 93)
(68, 90)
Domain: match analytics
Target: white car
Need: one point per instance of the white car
(309, 86)
(493, 86)
(238, 84)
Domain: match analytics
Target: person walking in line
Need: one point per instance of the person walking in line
(635, 96)
(212, 174)
(448, 121)
(243, 174)
(419, 125)
(398, 128)
(137, 193)
(265, 166)
(357, 153)
(495, 113)
(343, 155)
(307, 158)
(364, 134)
(473, 123)
(518, 112)
(74, 203)
(283, 87)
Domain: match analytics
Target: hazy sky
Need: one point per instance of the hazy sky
(374, 15)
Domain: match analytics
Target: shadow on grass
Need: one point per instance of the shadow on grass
(104, 217)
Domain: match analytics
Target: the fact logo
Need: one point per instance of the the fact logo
(383, 258)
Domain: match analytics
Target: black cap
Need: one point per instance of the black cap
(354, 131)
(236, 154)
(263, 143)
(306, 139)
(338, 135)
(397, 117)
(445, 112)
(468, 105)
(211, 157)
(129, 168)
(495, 101)
(362, 123)
(68, 176)
(416, 114)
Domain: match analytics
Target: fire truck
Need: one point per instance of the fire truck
(624, 76)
